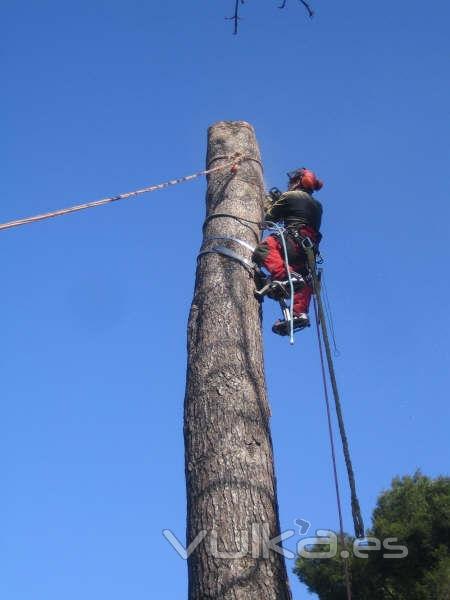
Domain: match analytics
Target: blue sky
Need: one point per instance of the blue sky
(105, 97)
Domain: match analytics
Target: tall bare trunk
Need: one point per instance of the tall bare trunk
(231, 489)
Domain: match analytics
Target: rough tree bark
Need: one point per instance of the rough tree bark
(231, 487)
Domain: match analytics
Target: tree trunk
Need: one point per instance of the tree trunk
(231, 490)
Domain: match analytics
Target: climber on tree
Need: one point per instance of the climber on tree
(301, 215)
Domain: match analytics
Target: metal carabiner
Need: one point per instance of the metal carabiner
(307, 243)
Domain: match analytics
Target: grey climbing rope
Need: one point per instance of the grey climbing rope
(356, 511)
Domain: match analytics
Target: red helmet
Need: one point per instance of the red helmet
(304, 179)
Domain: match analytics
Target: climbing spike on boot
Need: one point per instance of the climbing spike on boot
(283, 327)
(277, 289)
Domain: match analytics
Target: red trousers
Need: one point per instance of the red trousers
(272, 258)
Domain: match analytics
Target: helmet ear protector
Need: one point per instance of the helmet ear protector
(297, 176)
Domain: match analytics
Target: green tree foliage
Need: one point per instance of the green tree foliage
(415, 511)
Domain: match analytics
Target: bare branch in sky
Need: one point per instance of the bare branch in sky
(308, 8)
(236, 18)
(305, 4)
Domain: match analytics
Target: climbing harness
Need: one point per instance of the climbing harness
(295, 241)
(289, 323)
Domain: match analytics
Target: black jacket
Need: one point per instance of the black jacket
(296, 206)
